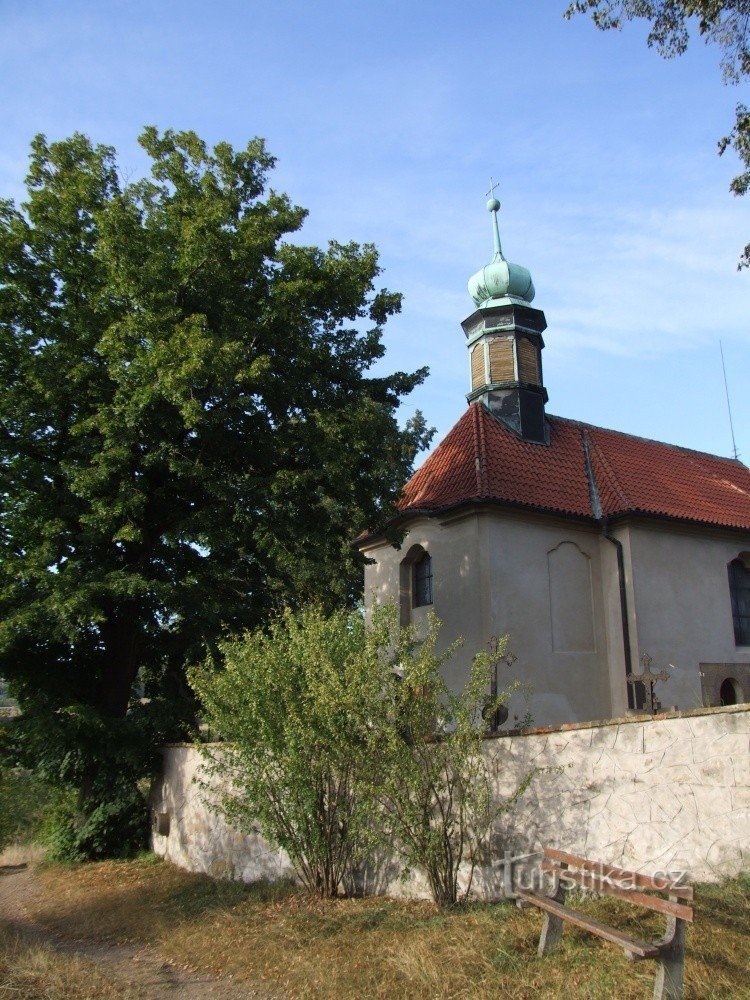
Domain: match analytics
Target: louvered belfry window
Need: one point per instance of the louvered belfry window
(422, 589)
(477, 366)
(501, 360)
(528, 362)
(739, 589)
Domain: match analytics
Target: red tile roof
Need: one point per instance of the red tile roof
(481, 460)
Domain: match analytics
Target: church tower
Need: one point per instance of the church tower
(504, 338)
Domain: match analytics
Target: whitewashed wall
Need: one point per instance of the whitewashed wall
(661, 794)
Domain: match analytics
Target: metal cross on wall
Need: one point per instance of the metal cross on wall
(496, 718)
(649, 679)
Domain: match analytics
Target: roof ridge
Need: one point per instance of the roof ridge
(639, 437)
(614, 481)
(596, 503)
(429, 458)
(480, 460)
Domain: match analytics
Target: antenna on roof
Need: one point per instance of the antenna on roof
(729, 405)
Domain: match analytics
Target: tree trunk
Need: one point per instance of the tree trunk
(120, 634)
(107, 780)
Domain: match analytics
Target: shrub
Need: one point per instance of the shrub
(116, 827)
(296, 703)
(343, 735)
(96, 768)
(26, 802)
(435, 784)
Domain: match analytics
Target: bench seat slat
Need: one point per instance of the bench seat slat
(643, 949)
(622, 874)
(590, 880)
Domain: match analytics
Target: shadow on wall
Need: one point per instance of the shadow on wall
(662, 794)
(552, 812)
(373, 876)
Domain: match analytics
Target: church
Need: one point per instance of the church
(601, 555)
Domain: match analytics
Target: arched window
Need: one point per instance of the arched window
(422, 582)
(739, 589)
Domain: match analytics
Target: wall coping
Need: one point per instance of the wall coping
(623, 720)
(565, 727)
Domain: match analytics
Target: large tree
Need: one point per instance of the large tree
(725, 23)
(189, 432)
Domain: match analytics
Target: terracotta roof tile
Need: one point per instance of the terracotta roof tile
(636, 474)
(482, 460)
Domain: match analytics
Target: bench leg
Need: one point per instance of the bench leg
(670, 965)
(551, 935)
(552, 927)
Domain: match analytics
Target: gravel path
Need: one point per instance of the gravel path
(141, 971)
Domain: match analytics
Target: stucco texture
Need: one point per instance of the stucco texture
(553, 586)
(663, 794)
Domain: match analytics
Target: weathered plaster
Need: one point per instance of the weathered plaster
(672, 792)
(498, 570)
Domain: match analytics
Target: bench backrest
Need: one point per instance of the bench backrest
(623, 884)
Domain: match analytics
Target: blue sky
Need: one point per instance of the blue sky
(387, 119)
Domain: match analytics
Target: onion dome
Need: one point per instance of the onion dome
(500, 279)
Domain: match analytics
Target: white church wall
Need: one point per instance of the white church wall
(457, 592)
(682, 606)
(553, 586)
(656, 794)
(612, 611)
(571, 599)
(537, 579)
(546, 593)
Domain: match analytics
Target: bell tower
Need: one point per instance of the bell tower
(504, 338)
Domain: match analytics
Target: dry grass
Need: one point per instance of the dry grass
(359, 948)
(19, 854)
(36, 972)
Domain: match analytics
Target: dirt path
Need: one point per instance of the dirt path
(140, 971)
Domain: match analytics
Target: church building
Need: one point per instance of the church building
(590, 548)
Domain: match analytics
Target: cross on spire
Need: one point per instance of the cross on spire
(492, 206)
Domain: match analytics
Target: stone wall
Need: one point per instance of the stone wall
(654, 794)
(199, 839)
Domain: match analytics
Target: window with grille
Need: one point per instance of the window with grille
(739, 589)
(422, 589)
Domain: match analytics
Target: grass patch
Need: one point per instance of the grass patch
(31, 971)
(353, 948)
(31, 800)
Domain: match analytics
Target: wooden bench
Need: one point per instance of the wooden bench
(571, 871)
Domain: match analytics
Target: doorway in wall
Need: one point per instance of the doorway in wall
(729, 692)
(724, 684)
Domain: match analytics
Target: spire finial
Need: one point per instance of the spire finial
(499, 279)
(493, 206)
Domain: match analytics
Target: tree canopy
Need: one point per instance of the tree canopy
(725, 23)
(189, 430)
